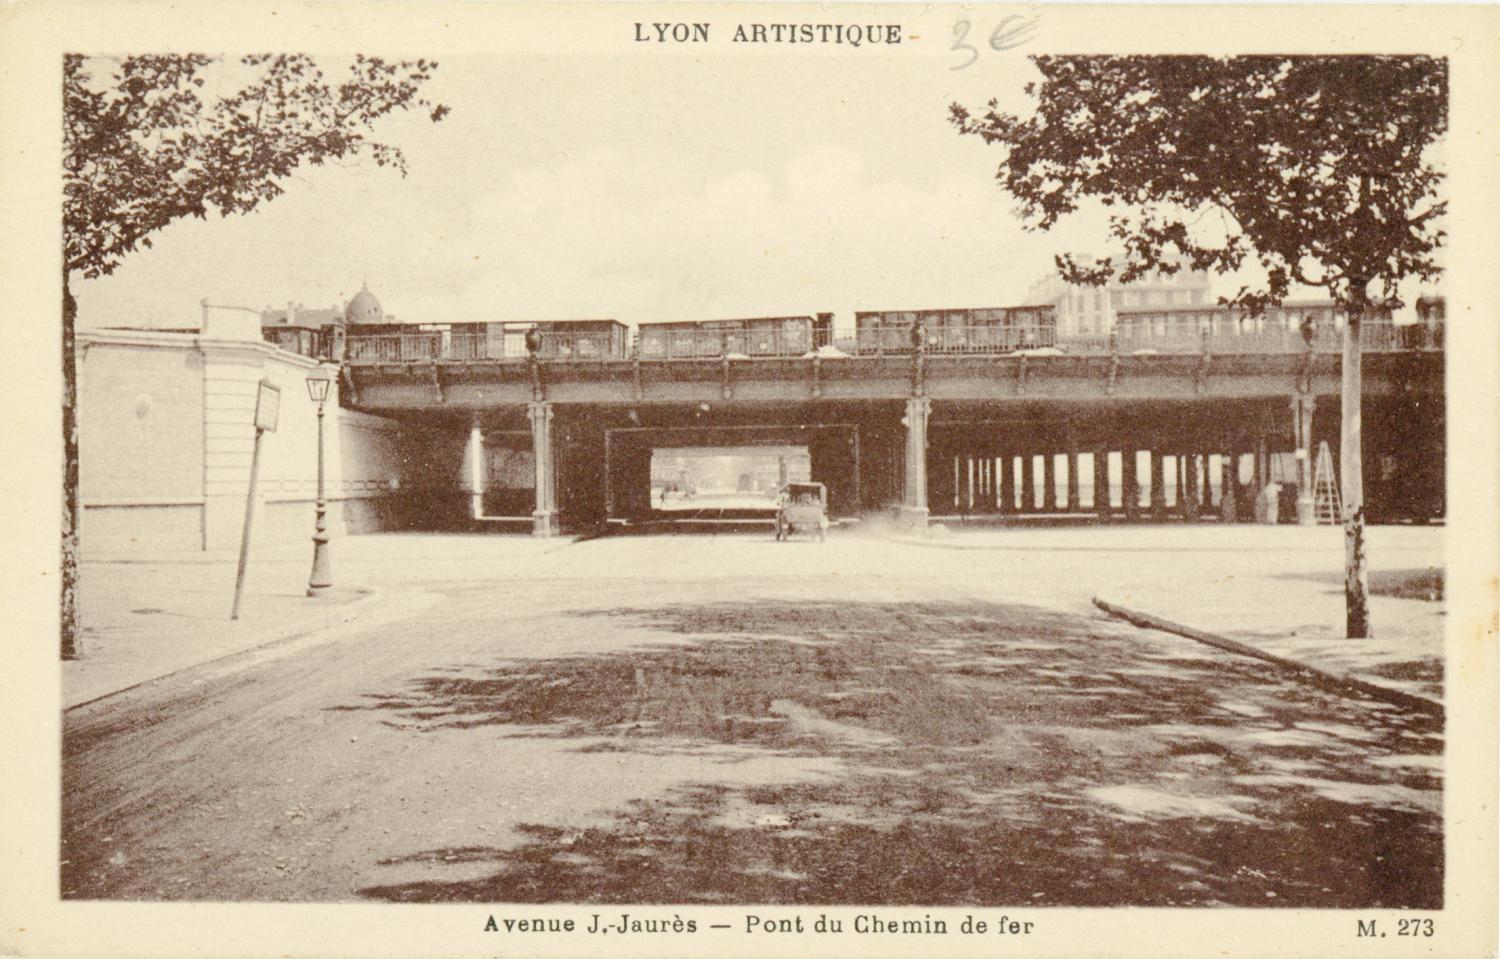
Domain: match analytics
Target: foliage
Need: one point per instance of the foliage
(1317, 166)
(143, 147)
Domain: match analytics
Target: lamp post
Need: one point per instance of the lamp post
(318, 383)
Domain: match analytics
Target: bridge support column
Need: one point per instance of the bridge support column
(1187, 492)
(1028, 483)
(1229, 478)
(1302, 414)
(1073, 497)
(914, 500)
(964, 468)
(1158, 486)
(1049, 482)
(1101, 483)
(1006, 463)
(475, 457)
(1131, 485)
(544, 517)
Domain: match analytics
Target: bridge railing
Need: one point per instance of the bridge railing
(672, 344)
(393, 347)
(1376, 336)
(991, 339)
(688, 343)
(508, 345)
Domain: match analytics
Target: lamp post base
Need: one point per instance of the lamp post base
(320, 583)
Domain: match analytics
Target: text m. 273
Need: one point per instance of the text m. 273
(1404, 927)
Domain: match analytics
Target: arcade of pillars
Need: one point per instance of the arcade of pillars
(975, 468)
(935, 459)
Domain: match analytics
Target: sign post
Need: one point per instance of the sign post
(267, 408)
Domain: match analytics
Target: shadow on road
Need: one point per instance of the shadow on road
(975, 753)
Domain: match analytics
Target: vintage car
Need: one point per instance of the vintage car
(802, 508)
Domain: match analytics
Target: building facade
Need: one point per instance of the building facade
(1084, 310)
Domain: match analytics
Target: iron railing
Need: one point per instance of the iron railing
(674, 343)
(697, 344)
(1375, 336)
(417, 347)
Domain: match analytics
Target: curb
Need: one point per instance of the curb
(947, 542)
(330, 619)
(1300, 671)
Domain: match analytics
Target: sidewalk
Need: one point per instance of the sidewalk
(146, 617)
(1277, 588)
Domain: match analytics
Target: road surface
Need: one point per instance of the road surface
(732, 720)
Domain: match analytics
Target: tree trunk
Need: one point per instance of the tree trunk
(68, 571)
(1356, 577)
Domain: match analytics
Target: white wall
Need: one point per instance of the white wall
(166, 435)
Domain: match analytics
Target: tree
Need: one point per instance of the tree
(143, 148)
(1319, 168)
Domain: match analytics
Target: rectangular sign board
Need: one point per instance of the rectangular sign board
(267, 406)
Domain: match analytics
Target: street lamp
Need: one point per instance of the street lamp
(318, 383)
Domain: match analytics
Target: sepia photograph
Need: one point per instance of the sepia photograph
(586, 479)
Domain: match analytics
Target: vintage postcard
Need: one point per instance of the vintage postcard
(510, 479)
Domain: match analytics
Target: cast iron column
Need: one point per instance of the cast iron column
(1101, 484)
(543, 518)
(476, 471)
(1073, 495)
(1229, 478)
(1158, 486)
(914, 500)
(1302, 415)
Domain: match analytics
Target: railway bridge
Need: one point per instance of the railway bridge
(1153, 425)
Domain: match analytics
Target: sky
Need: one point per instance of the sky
(638, 187)
(653, 185)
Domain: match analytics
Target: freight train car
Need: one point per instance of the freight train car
(554, 340)
(985, 330)
(758, 336)
(583, 340)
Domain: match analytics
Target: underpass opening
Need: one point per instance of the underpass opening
(725, 478)
(687, 476)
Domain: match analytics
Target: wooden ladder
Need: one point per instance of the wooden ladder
(1327, 505)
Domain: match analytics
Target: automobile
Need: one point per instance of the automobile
(802, 508)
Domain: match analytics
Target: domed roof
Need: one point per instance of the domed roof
(364, 308)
